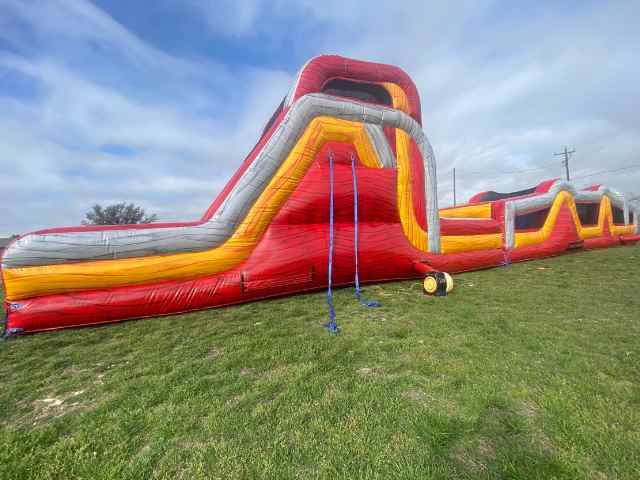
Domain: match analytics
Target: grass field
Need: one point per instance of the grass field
(527, 371)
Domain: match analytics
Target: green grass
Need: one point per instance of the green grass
(529, 371)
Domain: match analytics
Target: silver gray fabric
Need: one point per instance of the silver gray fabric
(55, 248)
(431, 195)
(539, 202)
(380, 144)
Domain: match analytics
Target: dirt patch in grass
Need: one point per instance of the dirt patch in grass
(365, 371)
(234, 400)
(528, 409)
(214, 352)
(414, 394)
(543, 442)
(54, 406)
(475, 456)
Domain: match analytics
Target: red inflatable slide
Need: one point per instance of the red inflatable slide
(340, 188)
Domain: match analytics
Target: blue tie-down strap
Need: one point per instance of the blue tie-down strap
(363, 301)
(366, 303)
(11, 332)
(506, 258)
(331, 325)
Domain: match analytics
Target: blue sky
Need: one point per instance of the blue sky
(158, 102)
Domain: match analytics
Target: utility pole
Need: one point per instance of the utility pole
(566, 154)
(454, 186)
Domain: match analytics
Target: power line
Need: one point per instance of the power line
(520, 172)
(629, 167)
(501, 173)
(455, 173)
(512, 172)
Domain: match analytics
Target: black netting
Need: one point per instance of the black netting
(588, 213)
(368, 92)
(532, 220)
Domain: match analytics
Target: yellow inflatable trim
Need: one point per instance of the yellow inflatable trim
(47, 280)
(605, 214)
(29, 282)
(482, 210)
(398, 97)
(51, 279)
(410, 226)
(412, 229)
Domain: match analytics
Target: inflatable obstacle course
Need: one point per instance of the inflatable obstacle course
(343, 165)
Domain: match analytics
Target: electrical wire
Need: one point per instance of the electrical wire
(496, 174)
(515, 172)
(601, 172)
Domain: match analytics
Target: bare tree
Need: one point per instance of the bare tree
(117, 214)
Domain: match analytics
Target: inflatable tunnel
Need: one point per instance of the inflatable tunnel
(343, 171)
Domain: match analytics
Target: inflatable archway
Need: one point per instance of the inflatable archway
(342, 165)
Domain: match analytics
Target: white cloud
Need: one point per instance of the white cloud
(82, 21)
(227, 17)
(182, 147)
(502, 90)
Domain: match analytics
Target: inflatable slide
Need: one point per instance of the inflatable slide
(341, 187)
